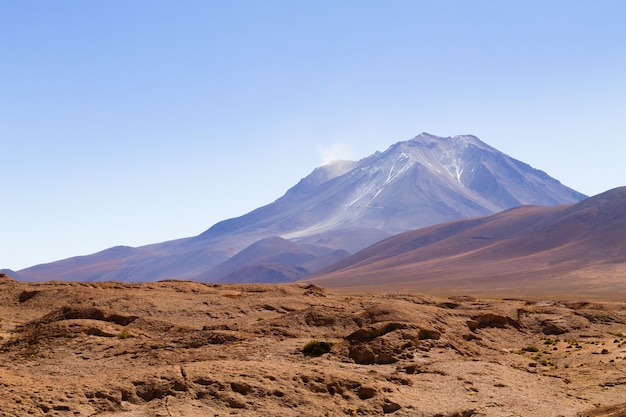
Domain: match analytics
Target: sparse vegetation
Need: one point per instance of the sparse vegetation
(124, 334)
(529, 349)
(545, 362)
(621, 341)
(549, 341)
(316, 348)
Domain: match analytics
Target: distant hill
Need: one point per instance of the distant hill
(526, 250)
(273, 259)
(9, 274)
(338, 209)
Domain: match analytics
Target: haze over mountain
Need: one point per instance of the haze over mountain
(575, 249)
(338, 209)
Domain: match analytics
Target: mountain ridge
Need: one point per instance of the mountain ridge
(523, 246)
(345, 205)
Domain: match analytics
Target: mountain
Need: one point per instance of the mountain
(343, 206)
(416, 183)
(7, 273)
(276, 260)
(576, 249)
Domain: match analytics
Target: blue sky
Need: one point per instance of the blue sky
(136, 122)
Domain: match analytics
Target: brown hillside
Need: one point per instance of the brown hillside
(576, 250)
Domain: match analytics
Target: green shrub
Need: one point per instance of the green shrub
(316, 348)
(530, 349)
(124, 334)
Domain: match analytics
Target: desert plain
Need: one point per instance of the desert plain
(181, 348)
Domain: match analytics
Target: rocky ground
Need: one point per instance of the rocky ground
(188, 349)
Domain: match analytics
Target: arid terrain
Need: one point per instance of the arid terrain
(176, 348)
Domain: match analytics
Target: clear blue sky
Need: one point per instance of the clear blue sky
(136, 122)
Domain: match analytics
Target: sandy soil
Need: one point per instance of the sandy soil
(189, 349)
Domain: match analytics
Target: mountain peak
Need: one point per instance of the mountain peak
(430, 140)
(344, 205)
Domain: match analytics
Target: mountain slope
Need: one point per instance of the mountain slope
(10, 274)
(526, 249)
(420, 182)
(276, 255)
(346, 206)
